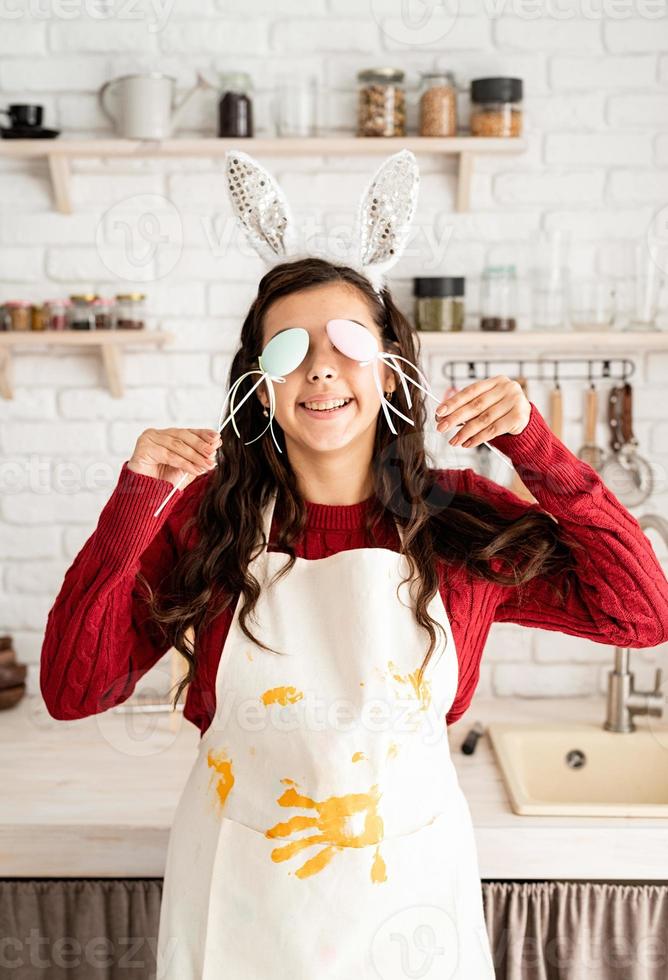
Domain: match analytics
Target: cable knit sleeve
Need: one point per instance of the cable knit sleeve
(618, 592)
(98, 640)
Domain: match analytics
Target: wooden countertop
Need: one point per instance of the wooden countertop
(95, 798)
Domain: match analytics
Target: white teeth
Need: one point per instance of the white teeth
(321, 406)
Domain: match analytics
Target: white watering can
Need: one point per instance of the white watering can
(145, 105)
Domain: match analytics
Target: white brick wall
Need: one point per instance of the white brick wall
(596, 84)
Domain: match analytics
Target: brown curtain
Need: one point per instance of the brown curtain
(577, 930)
(106, 929)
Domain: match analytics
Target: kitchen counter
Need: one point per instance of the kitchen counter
(95, 798)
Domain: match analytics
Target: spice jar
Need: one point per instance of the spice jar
(17, 315)
(438, 104)
(496, 107)
(498, 298)
(104, 309)
(82, 311)
(382, 102)
(57, 313)
(439, 302)
(235, 107)
(129, 312)
(37, 317)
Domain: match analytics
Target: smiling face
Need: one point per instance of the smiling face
(325, 373)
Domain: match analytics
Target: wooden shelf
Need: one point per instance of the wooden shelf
(110, 343)
(59, 152)
(596, 342)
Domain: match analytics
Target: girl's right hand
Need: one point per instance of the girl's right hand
(169, 453)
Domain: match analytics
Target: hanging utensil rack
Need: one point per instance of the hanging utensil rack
(627, 368)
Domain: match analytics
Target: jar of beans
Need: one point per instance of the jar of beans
(130, 313)
(496, 107)
(381, 102)
(438, 104)
(81, 314)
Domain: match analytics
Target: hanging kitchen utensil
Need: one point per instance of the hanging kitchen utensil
(556, 406)
(626, 473)
(590, 452)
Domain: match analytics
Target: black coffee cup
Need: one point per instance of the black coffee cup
(24, 116)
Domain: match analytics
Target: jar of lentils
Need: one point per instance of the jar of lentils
(439, 303)
(438, 104)
(496, 107)
(381, 102)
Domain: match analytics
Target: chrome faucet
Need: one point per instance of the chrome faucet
(623, 700)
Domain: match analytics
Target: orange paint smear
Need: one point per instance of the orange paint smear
(282, 695)
(422, 691)
(222, 765)
(331, 828)
(358, 756)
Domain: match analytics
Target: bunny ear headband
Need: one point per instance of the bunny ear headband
(383, 222)
(382, 225)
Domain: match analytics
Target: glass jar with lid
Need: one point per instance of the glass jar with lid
(38, 316)
(130, 311)
(496, 106)
(104, 313)
(438, 104)
(82, 311)
(439, 303)
(498, 298)
(235, 106)
(57, 314)
(381, 102)
(17, 315)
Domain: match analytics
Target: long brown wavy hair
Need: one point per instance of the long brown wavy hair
(438, 523)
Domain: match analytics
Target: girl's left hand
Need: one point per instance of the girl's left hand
(490, 407)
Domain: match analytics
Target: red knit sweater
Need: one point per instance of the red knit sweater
(99, 641)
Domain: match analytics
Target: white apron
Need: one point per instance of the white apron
(322, 832)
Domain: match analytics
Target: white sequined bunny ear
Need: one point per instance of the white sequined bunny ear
(260, 207)
(385, 214)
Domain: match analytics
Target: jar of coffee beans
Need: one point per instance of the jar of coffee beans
(381, 102)
(438, 104)
(496, 107)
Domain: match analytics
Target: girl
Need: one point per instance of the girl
(331, 595)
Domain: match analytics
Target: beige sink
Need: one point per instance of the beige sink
(582, 770)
